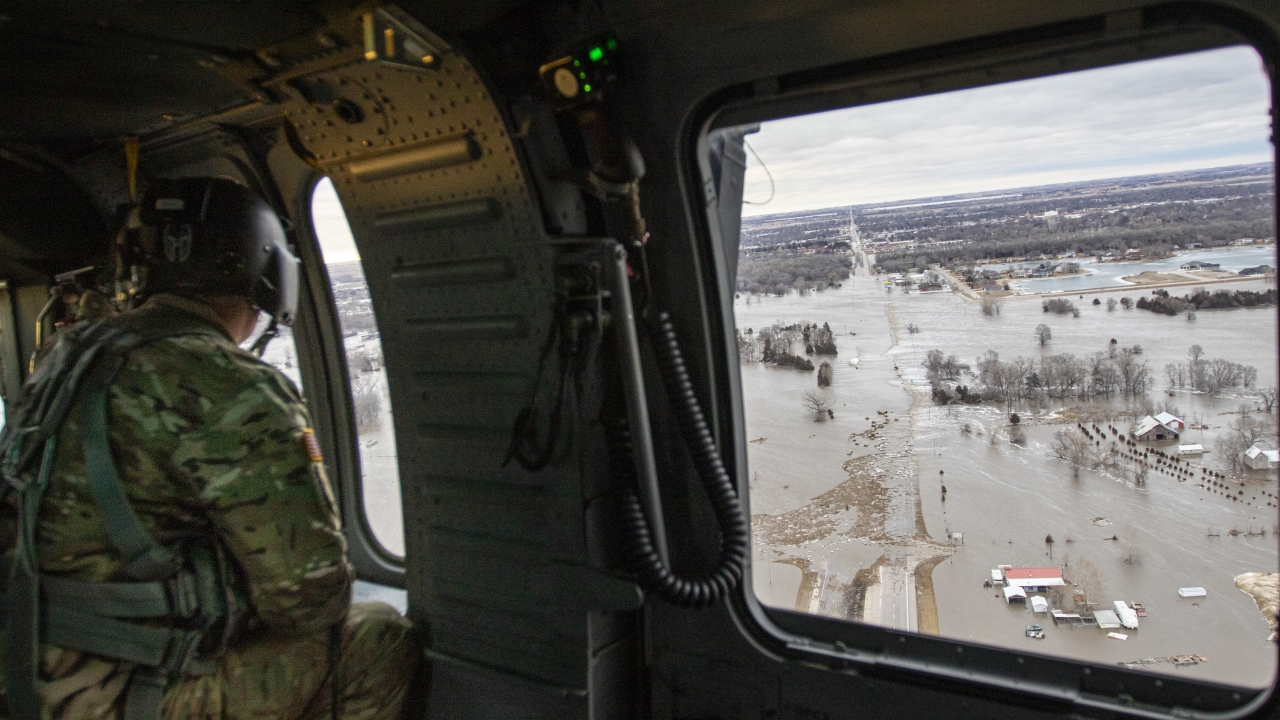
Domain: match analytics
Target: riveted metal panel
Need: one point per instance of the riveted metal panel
(460, 273)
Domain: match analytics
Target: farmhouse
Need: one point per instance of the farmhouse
(1258, 458)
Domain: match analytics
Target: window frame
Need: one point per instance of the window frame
(335, 412)
(1010, 676)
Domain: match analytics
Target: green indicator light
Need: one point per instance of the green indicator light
(586, 88)
(611, 44)
(582, 76)
(595, 53)
(577, 63)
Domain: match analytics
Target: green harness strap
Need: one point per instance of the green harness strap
(83, 615)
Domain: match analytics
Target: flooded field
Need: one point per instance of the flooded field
(849, 518)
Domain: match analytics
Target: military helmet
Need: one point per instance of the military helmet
(213, 236)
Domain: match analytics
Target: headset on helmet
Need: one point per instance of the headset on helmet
(212, 236)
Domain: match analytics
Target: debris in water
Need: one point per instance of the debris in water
(1164, 660)
(1117, 636)
(758, 441)
(1101, 522)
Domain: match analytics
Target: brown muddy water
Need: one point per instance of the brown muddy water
(844, 509)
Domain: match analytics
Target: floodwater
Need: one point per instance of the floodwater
(1101, 275)
(831, 498)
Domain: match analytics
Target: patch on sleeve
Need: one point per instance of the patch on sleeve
(313, 445)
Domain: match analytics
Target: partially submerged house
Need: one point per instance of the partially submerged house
(1151, 429)
(1198, 265)
(1260, 458)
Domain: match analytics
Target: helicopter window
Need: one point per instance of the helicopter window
(371, 401)
(1009, 363)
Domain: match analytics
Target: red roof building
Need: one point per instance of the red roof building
(1033, 577)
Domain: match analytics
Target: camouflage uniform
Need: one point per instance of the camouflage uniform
(211, 443)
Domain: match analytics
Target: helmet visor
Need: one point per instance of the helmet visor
(276, 291)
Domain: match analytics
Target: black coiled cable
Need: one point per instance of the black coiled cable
(653, 573)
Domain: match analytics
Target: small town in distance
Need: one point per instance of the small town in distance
(1041, 418)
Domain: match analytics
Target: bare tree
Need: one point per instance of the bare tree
(818, 402)
(366, 397)
(1267, 399)
(749, 346)
(991, 305)
(1088, 580)
(1111, 304)
(1130, 547)
(1075, 449)
(1043, 334)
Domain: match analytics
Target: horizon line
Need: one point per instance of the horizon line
(979, 193)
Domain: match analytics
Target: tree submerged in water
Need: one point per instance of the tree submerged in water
(772, 345)
(819, 403)
(1162, 302)
(819, 340)
(824, 374)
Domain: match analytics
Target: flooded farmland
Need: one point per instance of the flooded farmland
(849, 517)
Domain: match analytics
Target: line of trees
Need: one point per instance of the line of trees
(1161, 302)
(773, 345)
(1208, 375)
(1118, 371)
(777, 275)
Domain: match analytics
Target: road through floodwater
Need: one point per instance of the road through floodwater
(843, 507)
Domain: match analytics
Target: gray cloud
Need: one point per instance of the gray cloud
(1199, 110)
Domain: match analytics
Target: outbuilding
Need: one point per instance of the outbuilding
(1013, 592)
(1170, 420)
(1106, 619)
(1188, 450)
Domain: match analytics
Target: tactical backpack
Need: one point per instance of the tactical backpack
(179, 609)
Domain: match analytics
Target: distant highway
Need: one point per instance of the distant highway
(858, 250)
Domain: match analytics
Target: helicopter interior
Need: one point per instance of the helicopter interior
(544, 201)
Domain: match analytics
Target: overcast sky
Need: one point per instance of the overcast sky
(1202, 110)
(336, 241)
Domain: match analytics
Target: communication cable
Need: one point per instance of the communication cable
(653, 573)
